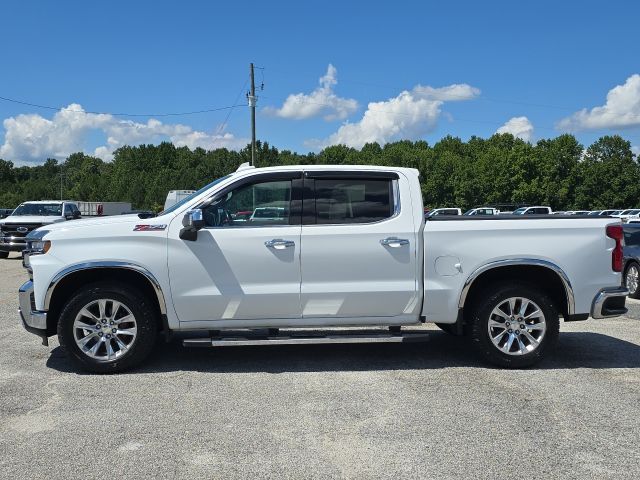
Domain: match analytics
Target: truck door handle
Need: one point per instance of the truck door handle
(279, 243)
(394, 242)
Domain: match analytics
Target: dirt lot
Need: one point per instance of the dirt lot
(367, 411)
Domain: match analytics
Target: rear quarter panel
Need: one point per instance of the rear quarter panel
(579, 247)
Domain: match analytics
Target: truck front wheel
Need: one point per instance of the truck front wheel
(513, 325)
(4, 254)
(106, 328)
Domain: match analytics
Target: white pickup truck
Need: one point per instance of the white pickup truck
(344, 246)
(29, 216)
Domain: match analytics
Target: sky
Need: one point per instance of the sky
(326, 72)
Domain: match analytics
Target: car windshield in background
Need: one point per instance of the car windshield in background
(193, 195)
(39, 209)
(519, 211)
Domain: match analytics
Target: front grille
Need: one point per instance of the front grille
(18, 229)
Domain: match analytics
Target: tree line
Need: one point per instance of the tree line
(559, 172)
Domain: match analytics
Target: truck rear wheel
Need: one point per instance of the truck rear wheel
(513, 325)
(106, 328)
(4, 254)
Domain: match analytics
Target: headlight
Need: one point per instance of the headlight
(36, 243)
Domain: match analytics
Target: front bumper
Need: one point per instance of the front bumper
(32, 320)
(609, 302)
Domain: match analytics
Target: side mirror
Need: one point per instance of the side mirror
(192, 222)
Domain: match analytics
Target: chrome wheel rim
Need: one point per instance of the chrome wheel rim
(516, 326)
(632, 279)
(105, 329)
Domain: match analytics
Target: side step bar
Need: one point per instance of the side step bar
(236, 339)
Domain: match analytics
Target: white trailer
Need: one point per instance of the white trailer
(101, 209)
(174, 196)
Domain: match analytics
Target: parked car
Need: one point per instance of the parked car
(537, 210)
(140, 213)
(594, 213)
(482, 211)
(609, 212)
(444, 211)
(625, 215)
(348, 251)
(29, 216)
(632, 258)
(5, 212)
(578, 212)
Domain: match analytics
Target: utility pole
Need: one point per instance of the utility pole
(252, 106)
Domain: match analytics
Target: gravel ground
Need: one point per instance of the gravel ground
(366, 411)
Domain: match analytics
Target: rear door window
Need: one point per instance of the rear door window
(353, 200)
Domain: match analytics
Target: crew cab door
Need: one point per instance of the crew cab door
(245, 262)
(359, 245)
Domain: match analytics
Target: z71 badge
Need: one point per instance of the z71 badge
(149, 228)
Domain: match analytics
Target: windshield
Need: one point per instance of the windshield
(39, 209)
(470, 212)
(519, 211)
(193, 195)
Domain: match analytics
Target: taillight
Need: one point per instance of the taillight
(615, 232)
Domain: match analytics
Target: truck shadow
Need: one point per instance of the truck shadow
(574, 350)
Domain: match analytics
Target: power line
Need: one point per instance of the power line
(224, 124)
(123, 114)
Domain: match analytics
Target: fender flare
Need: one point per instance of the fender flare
(111, 265)
(533, 262)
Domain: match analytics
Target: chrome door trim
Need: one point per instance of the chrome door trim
(526, 262)
(106, 264)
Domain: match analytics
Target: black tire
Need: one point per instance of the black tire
(4, 254)
(450, 328)
(138, 304)
(633, 293)
(481, 312)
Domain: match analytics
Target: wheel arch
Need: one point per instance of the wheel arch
(555, 280)
(68, 280)
(628, 261)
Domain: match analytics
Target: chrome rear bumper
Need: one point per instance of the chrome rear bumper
(609, 302)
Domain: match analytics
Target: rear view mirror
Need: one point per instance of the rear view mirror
(191, 222)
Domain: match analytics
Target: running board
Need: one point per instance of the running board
(237, 339)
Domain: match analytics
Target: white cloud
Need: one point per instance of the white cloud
(33, 138)
(322, 101)
(622, 109)
(410, 115)
(636, 151)
(519, 127)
